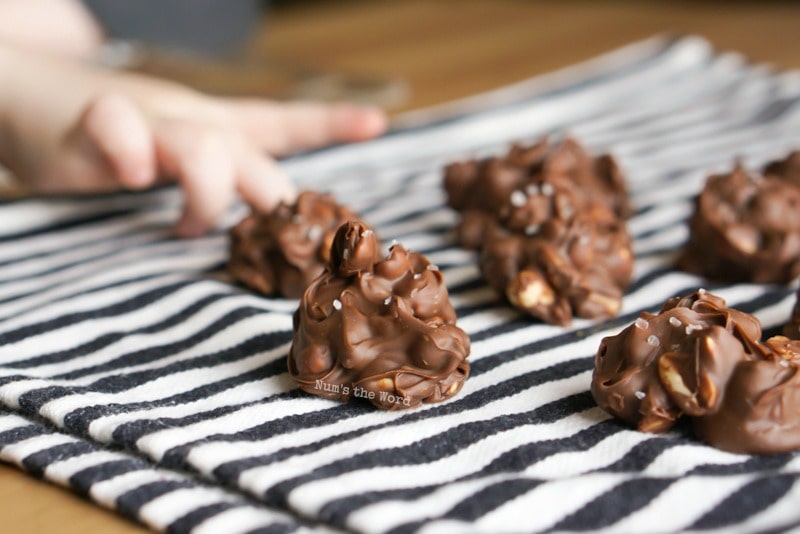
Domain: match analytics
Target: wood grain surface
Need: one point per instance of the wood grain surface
(448, 49)
(425, 52)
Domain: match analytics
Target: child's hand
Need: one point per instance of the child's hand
(69, 127)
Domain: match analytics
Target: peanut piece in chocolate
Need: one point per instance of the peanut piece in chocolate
(573, 268)
(700, 359)
(746, 226)
(282, 252)
(379, 329)
(548, 222)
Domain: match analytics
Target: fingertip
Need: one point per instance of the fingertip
(279, 189)
(285, 191)
(201, 161)
(358, 123)
(116, 126)
(374, 122)
(136, 175)
(263, 184)
(190, 226)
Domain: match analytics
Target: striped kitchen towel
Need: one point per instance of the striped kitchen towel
(134, 372)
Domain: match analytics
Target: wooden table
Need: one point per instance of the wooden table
(442, 50)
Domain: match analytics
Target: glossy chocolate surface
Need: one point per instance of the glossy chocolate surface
(548, 222)
(381, 329)
(697, 358)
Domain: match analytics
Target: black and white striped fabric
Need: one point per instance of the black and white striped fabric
(134, 372)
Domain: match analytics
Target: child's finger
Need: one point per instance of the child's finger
(262, 183)
(119, 131)
(284, 128)
(202, 162)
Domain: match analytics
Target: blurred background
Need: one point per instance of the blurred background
(400, 54)
(416, 53)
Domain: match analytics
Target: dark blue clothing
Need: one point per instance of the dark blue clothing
(205, 26)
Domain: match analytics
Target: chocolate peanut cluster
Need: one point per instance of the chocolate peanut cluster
(549, 222)
(700, 359)
(787, 169)
(379, 329)
(283, 251)
(746, 226)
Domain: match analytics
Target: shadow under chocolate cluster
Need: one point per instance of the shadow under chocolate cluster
(378, 329)
(701, 359)
(549, 223)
